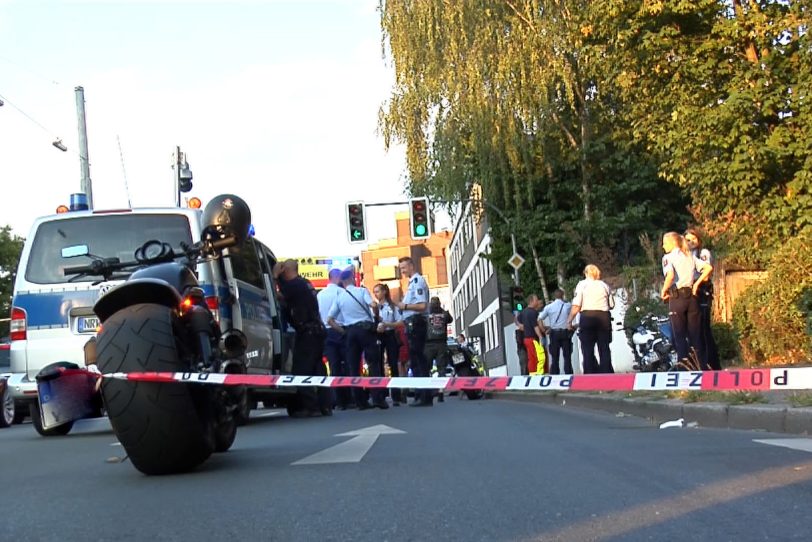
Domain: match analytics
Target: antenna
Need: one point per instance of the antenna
(124, 172)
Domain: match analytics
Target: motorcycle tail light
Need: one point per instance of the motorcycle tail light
(18, 326)
(213, 303)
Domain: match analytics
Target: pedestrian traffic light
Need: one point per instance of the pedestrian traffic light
(517, 298)
(419, 220)
(356, 222)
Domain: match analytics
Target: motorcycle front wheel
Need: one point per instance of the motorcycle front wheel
(158, 424)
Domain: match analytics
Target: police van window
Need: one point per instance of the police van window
(245, 264)
(106, 236)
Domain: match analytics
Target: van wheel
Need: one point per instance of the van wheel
(159, 424)
(8, 414)
(243, 412)
(36, 419)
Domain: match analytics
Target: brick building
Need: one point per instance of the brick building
(379, 263)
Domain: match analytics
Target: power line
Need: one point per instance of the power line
(57, 140)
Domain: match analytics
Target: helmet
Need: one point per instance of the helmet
(226, 215)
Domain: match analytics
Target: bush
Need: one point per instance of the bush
(727, 343)
(768, 316)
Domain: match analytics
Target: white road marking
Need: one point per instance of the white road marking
(803, 444)
(351, 451)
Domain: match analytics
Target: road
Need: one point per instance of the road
(463, 470)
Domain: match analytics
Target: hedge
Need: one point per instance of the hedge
(771, 317)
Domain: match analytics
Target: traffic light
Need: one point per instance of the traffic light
(356, 222)
(184, 177)
(517, 298)
(419, 219)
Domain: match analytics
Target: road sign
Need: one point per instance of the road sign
(515, 261)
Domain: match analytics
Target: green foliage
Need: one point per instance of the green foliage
(727, 342)
(800, 399)
(767, 317)
(10, 248)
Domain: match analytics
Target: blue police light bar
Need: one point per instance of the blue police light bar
(78, 202)
(251, 231)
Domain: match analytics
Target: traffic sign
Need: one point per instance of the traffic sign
(515, 261)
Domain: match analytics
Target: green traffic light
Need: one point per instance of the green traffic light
(420, 229)
(356, 234)
(519, 306)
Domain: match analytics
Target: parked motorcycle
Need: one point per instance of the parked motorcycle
(158, 320)
(463, 362)
(653, 345)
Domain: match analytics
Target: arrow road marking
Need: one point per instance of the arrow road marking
(353, 450)
(803, 444)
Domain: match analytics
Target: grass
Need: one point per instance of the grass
(800, 399)
(731, 398)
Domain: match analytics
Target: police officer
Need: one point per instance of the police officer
(335, 345)
(414, 308)
(353, 304)
(705, 299)
(679, 268)
(302, 312)
(556, 314)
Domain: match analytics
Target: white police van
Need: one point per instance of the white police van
(52, 315)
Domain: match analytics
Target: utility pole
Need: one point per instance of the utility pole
(85, 185)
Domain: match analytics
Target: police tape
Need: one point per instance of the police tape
(799, 378)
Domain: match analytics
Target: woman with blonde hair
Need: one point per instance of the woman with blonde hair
(593, 300)
(680, 289)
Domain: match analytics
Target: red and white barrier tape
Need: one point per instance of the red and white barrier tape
(744, 379)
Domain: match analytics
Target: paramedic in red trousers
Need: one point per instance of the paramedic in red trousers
(335, 345)
(302, 311)
(413, 308)
(556, 313)
(531, 328)
(353, 305)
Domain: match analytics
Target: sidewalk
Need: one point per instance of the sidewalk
(777, 415)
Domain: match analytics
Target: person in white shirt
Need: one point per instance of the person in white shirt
(680, 268)
(592, 302)
(556, 314)
(705, 299)
(335, 345)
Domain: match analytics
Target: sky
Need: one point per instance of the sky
(275, 101)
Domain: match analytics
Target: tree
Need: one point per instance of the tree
(719, 92)
(10, 248)
(511, 96)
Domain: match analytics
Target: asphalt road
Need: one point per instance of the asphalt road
(463, 470)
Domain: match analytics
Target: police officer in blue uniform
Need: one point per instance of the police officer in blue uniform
(302, 312)
(705, 299)
(679, 268)
(353, 304)
(414, 307)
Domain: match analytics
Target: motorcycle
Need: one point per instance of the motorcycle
(158, 320)
(653, 345)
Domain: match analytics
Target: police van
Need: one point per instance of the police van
(52, 315)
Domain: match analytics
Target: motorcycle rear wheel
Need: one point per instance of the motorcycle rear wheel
(159, 424)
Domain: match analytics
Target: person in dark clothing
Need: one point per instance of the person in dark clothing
(389, 320)
(302, 311)
(704, 297)
(529, 318)
(437, 337)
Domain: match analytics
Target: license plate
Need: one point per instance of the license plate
(88, 324)
(458, 358)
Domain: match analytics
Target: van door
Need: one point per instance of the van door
(251, 306)
(281, 344)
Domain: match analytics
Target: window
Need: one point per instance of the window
(245, 263)
(106, 236)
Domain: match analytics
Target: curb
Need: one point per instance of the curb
(760, 417)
